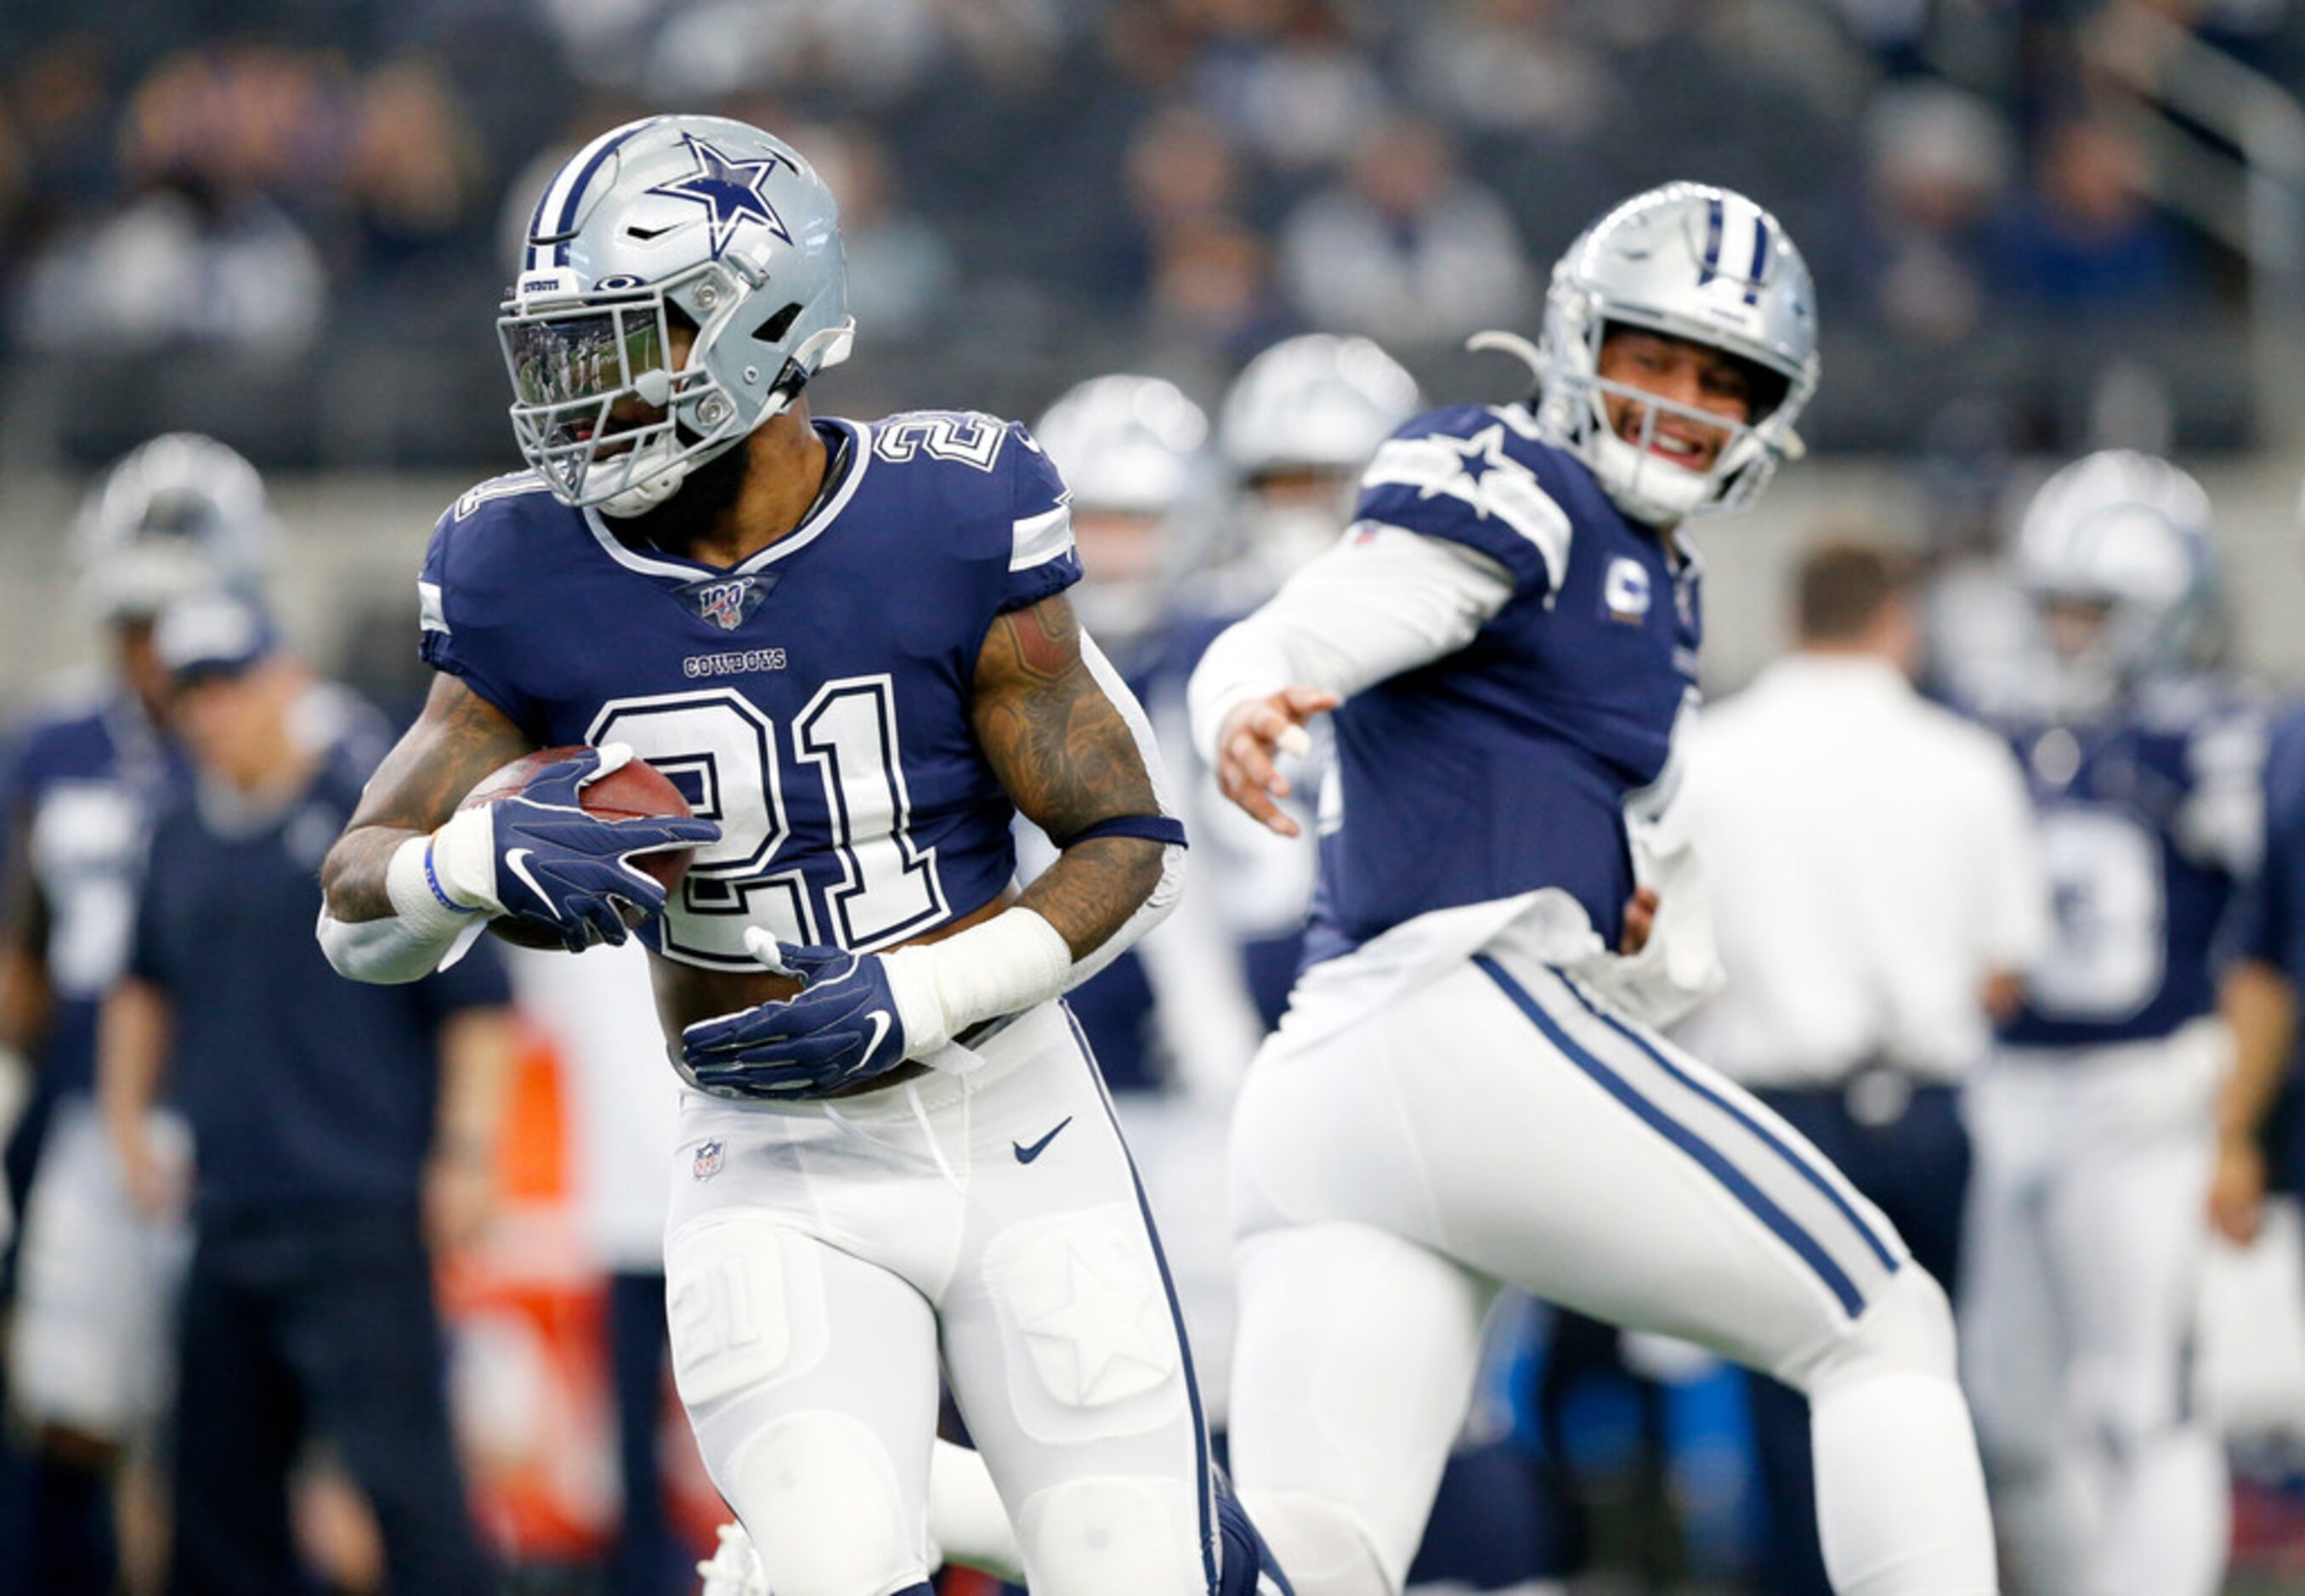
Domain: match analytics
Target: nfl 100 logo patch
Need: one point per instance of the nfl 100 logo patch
(709, 1157)
(722, 603)
(727, 602)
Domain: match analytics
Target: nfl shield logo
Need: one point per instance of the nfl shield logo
(723, 604)
(708, 1161)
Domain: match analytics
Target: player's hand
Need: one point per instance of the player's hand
(460, 1196)
(154, 1184)
(1640, 920)
(1252, 736)
(2237, 1189)
(842, 1026)
(555, 866)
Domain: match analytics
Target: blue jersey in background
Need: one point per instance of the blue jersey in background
(83, 785)
(2151, 824)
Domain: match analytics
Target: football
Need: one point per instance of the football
(637, 790)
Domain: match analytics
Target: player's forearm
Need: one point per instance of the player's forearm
(26, 1000)
(354, 878)
(131, 1054)
(1365, 611)
(476, 1057)
(2261, 1008)
(1095, 887)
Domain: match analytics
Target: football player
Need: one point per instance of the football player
(87, 1364)
(850, 641)
(1469, 1088)
(2095, 1126)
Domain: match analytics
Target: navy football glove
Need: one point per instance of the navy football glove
(842, 1027)
(561, 869)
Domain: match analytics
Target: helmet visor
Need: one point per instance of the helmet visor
(569, 358)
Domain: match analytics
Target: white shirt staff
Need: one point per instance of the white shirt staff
(1876, 886)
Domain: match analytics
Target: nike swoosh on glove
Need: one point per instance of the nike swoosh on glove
(842, 1027)
(560, 868)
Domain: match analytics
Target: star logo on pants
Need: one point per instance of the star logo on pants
(1107, 1334)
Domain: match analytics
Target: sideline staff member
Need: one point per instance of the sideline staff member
(340, 1132)
(1877, 894)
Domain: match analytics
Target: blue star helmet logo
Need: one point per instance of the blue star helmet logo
(729, 191)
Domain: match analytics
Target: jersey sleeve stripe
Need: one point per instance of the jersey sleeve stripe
(1043, 538)
(431, 609)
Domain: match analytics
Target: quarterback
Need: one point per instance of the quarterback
(849, 642)
(1468, 1088)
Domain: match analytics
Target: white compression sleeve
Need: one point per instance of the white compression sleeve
(1380, 602)
(420, 935)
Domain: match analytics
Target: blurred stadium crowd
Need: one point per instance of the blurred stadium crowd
(316, 198)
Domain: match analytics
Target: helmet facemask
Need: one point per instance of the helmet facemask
(1573, 403)
(576, 362)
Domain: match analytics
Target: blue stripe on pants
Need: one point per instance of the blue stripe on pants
(1204, 1495)
(1806, 1171)
(1707, 1156)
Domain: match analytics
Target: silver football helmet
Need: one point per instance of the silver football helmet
(1692, 261)
(704, 217)
(176, 515)
(1134, 452)
(1316, 403)
(2129, 534)
(1297, 428)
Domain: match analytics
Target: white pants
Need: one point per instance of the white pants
(1500, 1124)
(2087, 1231)
(97, 1282)
(822, 1256)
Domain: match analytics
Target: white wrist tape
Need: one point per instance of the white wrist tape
(464, 859)
(1009, 963)
(414, 881)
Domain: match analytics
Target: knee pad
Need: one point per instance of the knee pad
(1114, 1536)
(1322, 1547)
(817, 1494)
(1906, 1329)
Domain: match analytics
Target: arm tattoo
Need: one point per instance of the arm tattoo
(460, 738)
(1067, 760)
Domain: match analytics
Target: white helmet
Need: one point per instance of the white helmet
(1692, 261)
(1315, 403)
(712, 218)
(2131, 532)
(176, 515)
(1134, 447)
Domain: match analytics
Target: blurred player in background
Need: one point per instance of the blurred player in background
(341, 1135)
(2094, 1126)
(1467, 1088)
(851, 640)
(86, 1361)
(1877, 893)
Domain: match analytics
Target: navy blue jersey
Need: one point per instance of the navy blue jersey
(2150, 826)
(1508, 766)
(814, 700)
(81, 789)
(300, 1087)
(2272, 927)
